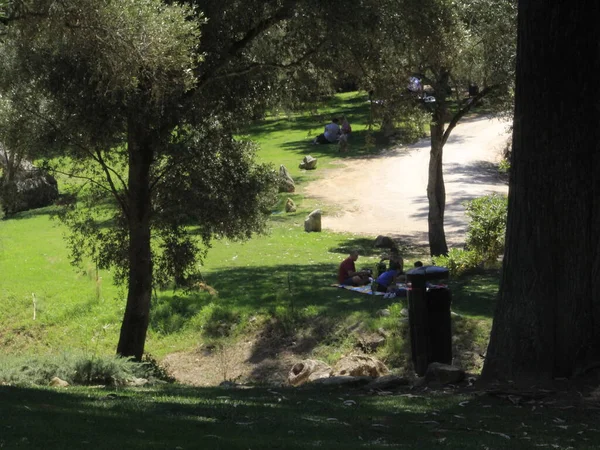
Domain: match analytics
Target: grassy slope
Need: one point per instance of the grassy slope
(74, 311)
(71, 307)
(268, 274)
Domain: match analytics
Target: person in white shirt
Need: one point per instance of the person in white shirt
(331, 134)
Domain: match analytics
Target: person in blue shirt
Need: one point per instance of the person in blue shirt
(387, 280)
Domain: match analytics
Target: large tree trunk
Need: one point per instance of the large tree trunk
(436, 190)
(137, 311)
(547, 321)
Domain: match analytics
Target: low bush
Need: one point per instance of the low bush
(504, 166)
(487, 226)
(77, 368)
(459, 261)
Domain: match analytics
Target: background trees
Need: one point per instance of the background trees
(145, 109)
(547, 319)
(461, 51)
(144, 98)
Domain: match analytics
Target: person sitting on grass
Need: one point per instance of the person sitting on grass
(347, 274)
(331, 134)
(346, 129)
(386, 282)
(396, 261)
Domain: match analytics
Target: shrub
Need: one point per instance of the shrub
(153, 370)
(459, 261)
(504, 166)
(487, 226)
(100, 370)
(76, 368)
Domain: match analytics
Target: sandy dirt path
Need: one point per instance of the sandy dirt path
(386, 194)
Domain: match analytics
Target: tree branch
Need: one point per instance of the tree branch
(256, 66)
(158, 178)
(113, 188)
(81, 177)
(280, 15)
(456, 88)
(97, 156)
(465, 109)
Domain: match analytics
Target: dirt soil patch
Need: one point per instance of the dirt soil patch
(212, 365)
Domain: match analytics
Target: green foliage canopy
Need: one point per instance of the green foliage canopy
(90, 70)
(142, 100)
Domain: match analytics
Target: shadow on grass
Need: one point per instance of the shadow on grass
(365, 247)
(362, 244)
(264, 288)
(315, 117)
(174, 416)
(49, 211)
(170, 314)
(476, 295)
(357, 146)
(258, 289)
(292, 333)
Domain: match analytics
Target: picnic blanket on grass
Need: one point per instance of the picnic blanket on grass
(360, 289)
(367, 289)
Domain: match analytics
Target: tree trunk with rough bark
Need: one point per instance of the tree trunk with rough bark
(547, 321)
(436, 190)
(137, 311)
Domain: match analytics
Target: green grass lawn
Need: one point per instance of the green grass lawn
(281, 280)
(286, 137)
(284, 275)
(178, 417)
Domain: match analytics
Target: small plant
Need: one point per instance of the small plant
(152, 369)
(396, 350)
(75, 368)
(487, 226)
(100, 370)
(459, 261)
(504, 166)
(224, 358)
(286, 320)
(370, 142)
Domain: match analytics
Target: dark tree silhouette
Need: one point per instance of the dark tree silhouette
(547, 322)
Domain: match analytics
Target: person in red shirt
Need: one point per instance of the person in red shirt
(347, 273)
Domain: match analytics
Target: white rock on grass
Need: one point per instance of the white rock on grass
(57, 382)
